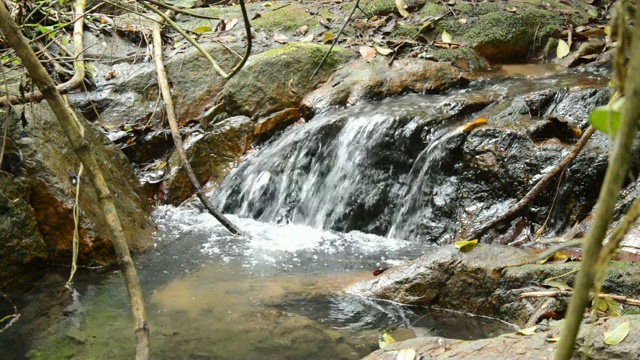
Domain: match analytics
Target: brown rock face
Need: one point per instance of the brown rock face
(42, 195)
(211, 155)
(376, 80)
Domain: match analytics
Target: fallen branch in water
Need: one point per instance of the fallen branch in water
(175, 131)
(540, 294)
(537, 189)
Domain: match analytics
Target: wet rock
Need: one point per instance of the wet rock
(21, 242)
(40, 192)
(211, 154)
(506, 31)
(279, 78)
(487, 281)
(376, 80)
(193, 80)
(277, 120)
(589, 343)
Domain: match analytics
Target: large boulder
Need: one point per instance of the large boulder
(195, 85)
(503, 31)
(377, 80)
(38, 195)
(279, 78)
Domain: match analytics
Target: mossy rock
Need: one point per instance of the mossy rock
(279, 78)
(504, 32)
(384, 7)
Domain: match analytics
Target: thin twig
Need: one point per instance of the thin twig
(163, 84)
(335, 41)
(538, 294)
(187, 37)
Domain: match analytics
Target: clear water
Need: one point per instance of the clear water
(274, 293)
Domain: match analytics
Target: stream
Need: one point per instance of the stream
(321, 207)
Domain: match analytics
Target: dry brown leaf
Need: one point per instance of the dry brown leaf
(367, 52)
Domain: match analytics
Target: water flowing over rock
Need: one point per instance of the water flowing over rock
(402, 167)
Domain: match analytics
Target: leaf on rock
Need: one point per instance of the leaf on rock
(618, 334)
(279, 38)
(613, 307)
(382, 50)
(402, 8)
(385, 339)
(527, 332)
(367, 52)
(563, 49)
(202, 29)
(607, 118)
(406, 354)
(327, 37)
(446, 38)
(466, 245)
(552, 339)
(472, 125)
(307, 38)
(557, 283)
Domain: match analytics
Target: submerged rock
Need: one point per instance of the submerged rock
(38, 195)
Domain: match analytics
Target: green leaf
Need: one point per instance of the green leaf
(92, 70)
(552, 339)
(202, 29)
(557, 283)
(446, 38)
(466, 245)
(613, 306)
(563, 49)
(607, 118)
(527, 332)
(385, 339)
(618, 334)
(406, 354)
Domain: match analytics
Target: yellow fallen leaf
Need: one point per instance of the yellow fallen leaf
(202, 29)
(527, 332)
(327, 37)
(473, 124)
(446, 38)
(618, 334)
(402, 8)
(466, 245)
(382, 50)
(563, 49)
(267, 4)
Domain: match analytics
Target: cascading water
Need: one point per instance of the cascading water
(340, 171)
(401, 168)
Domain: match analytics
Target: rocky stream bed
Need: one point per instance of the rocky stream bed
(372, 151)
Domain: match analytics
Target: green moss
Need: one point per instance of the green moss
(285, 19)
(405, 30)
(385, 7)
